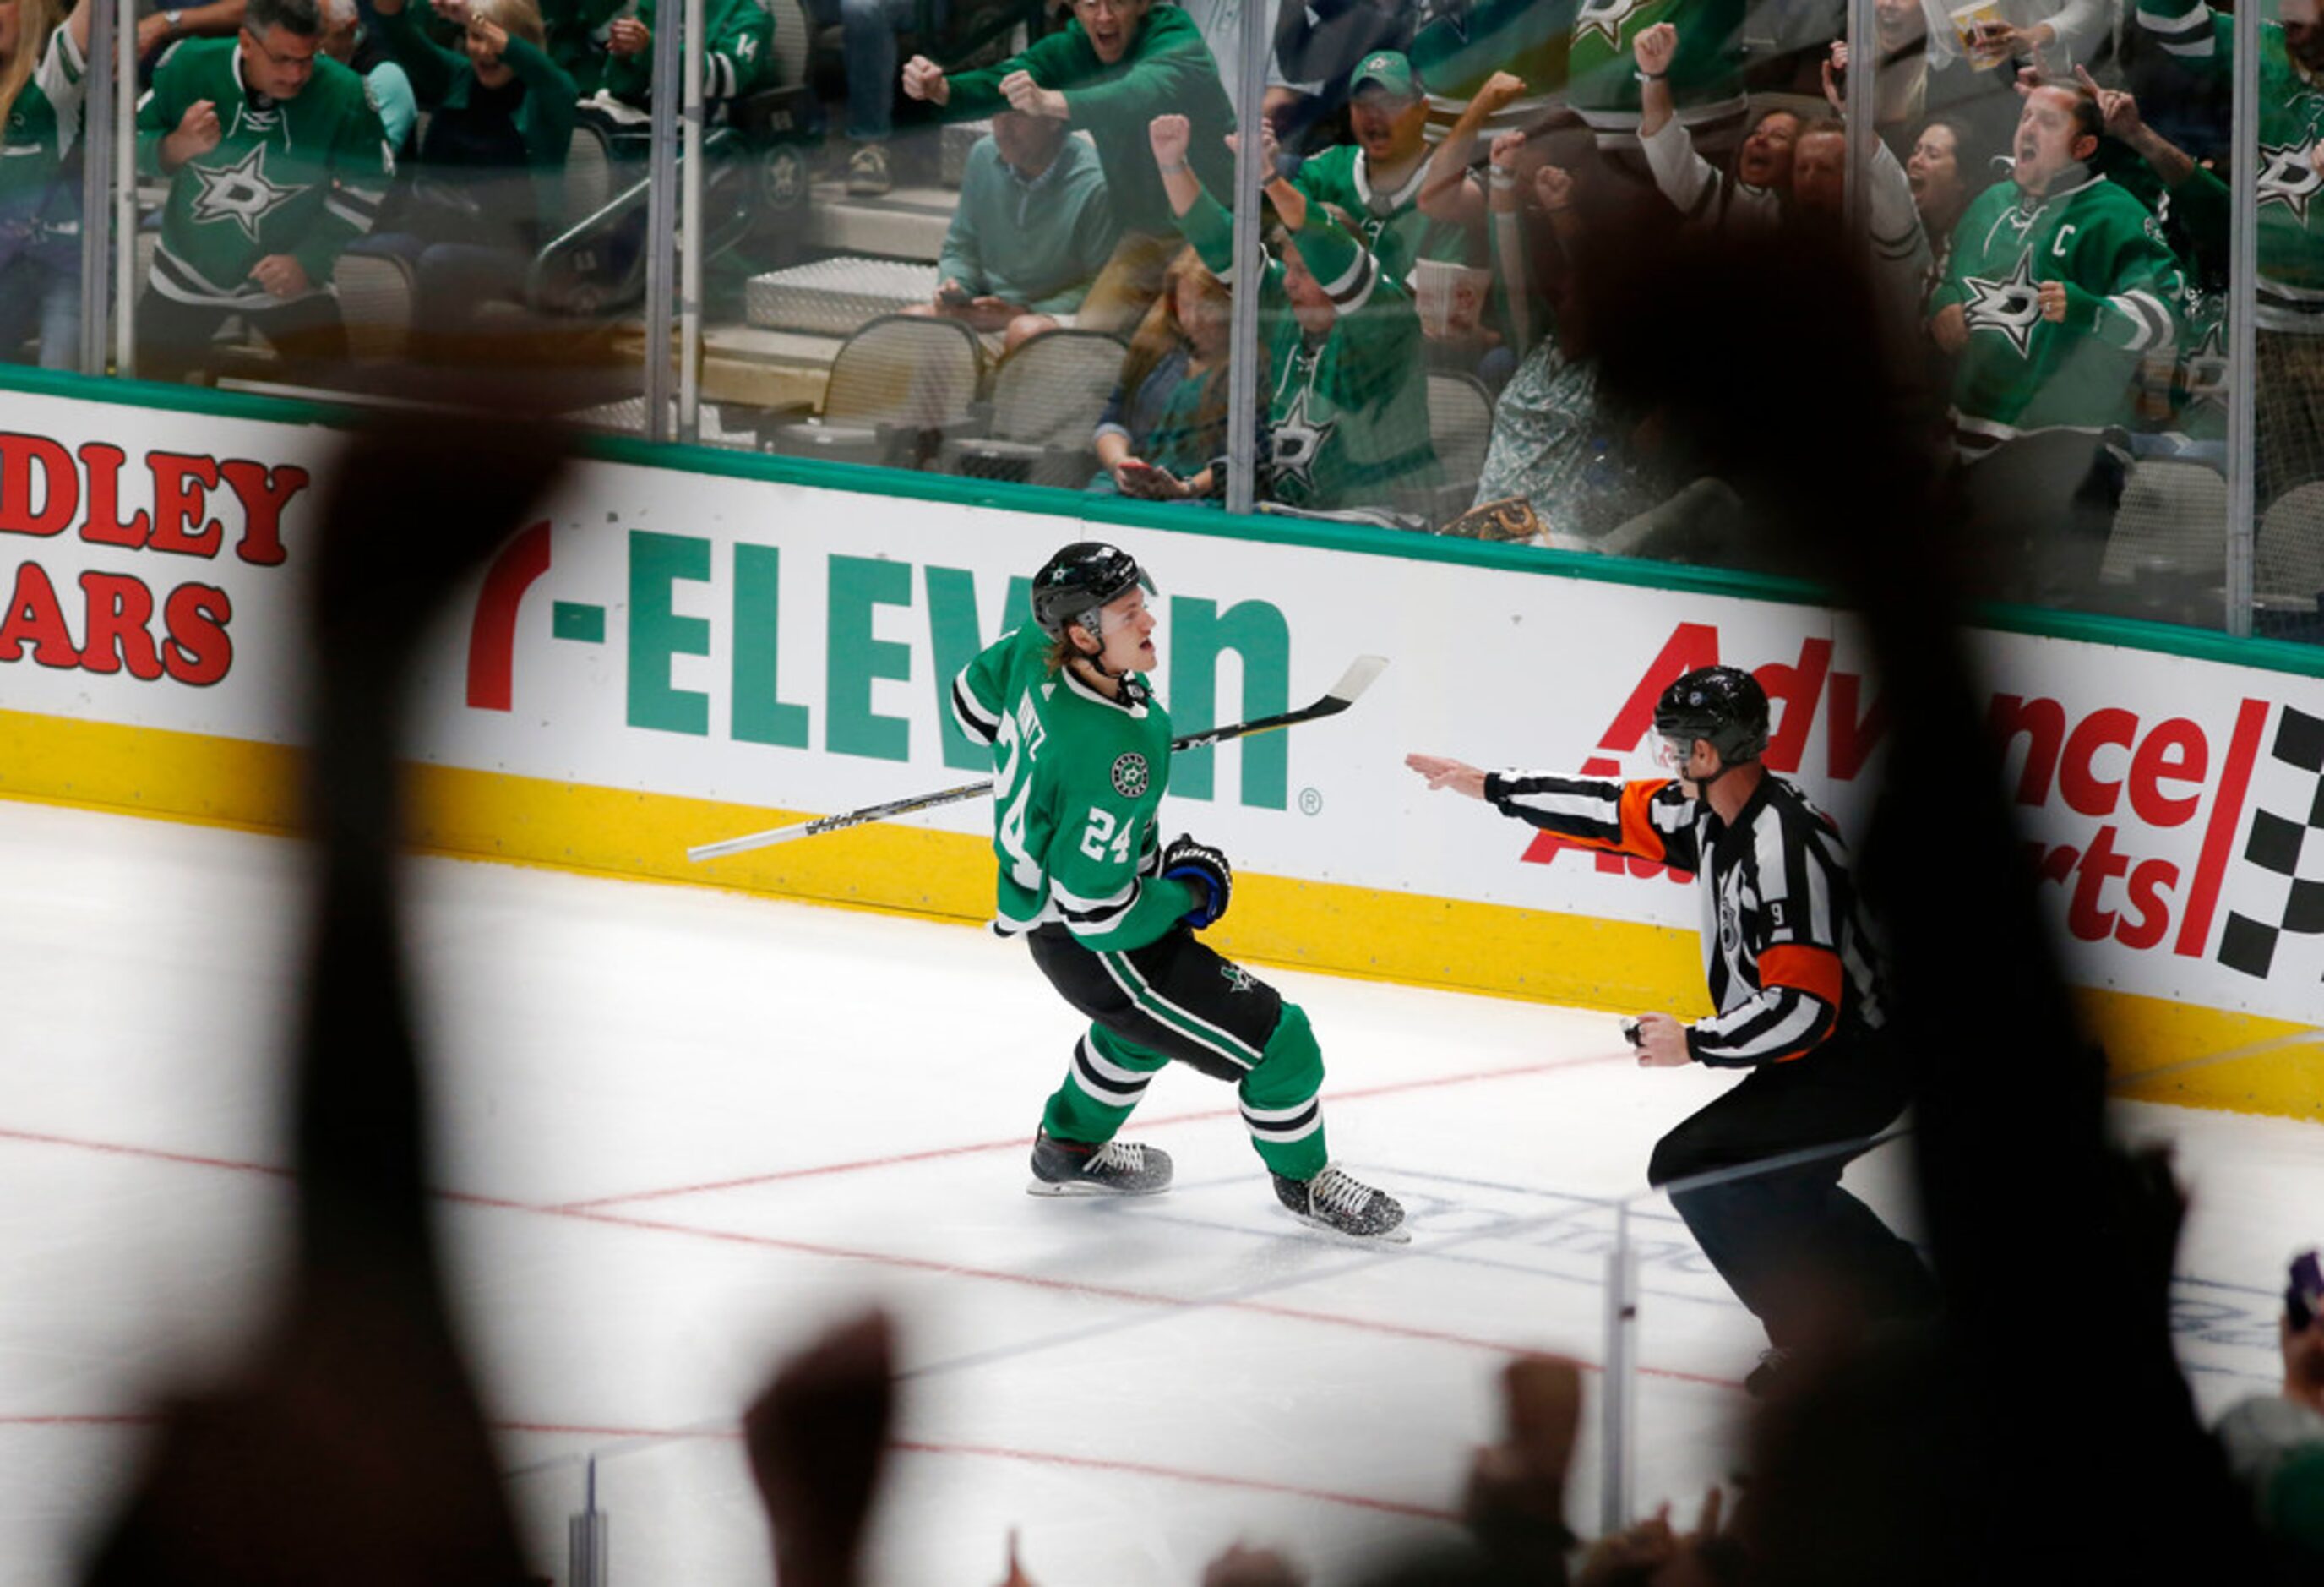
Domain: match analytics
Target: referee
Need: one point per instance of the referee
(1797, 992)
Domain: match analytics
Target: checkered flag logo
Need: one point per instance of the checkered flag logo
(2290, 848)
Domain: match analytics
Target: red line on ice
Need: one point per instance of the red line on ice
(1020, 1143)
(887, 1258)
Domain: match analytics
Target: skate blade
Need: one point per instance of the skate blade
(1399, 1235)
(1066, 1187)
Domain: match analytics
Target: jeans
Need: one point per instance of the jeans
(34, 293)
(872, 26)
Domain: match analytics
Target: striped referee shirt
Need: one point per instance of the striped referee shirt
(1786, 957)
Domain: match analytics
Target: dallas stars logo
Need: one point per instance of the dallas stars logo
(241, 193)
(2011, 305)
(2288, 176)
(1299, 441)
(1604, 17)
(1238, 979)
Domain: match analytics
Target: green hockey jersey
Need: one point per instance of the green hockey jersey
(1077, 784)
(1457, 45)
(1167, 68)
(35, 206)
(1389, 223)
(740, 35)
(302, 175)
(2291, 286)
(1347, 418)
(1706, 75)
(2021, 373)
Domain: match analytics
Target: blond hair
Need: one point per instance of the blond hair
(519, 19)
(35, 20)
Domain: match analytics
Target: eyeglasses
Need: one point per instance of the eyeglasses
(1114, 8)
(281, 62)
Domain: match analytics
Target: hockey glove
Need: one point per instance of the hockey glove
(1206, 870)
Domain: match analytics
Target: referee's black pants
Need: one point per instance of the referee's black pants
(1801, 1252)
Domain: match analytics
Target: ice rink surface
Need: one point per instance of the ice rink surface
(679, 1130)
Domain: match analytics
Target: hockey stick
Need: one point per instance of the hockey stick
(1337, 698)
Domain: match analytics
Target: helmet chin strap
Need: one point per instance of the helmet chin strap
(1095, 660)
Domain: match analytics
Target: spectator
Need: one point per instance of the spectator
(2199, 205)
(1317, 48)
(43, 65)
(868, 28)
(1973, 67)
(1376, 181)
(162, 24)
(738, 42)
(1940, 189)
(490, 187)
(1459, 46)
(264, 195)
(1579, 463)
(2289, 382)
(1117, 66)
(348, 41)
(1697, 79)
(1032, 230)
(1900, 247)
(2274, 1442)
(1347, 409)
(1163, 431)
(2060, 284)
(1752, 192)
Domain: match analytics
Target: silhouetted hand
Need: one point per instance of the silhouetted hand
(818, 1437)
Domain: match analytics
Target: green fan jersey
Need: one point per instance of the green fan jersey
(1166, 69)
(1347, 417)
(1706, 75)
(2019, 372)
(739, 36)
(1389, 223)
(1077, 784)
(302, 175)
(1458, 44)
(2291, 288)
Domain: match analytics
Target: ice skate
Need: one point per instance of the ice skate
(1119, 1167)
(1338, 1201)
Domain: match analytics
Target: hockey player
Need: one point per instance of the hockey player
(1798, 1005)
(1081, 756)
(276, 161)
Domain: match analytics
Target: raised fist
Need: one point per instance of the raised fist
(1207, 871)
(1655, 47)
(197, 133)
(925, 80)
(1170, 137)
(1501, 90)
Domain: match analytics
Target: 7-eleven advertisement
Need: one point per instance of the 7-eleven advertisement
(728, 651)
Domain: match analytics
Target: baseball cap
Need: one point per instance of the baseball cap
(1390, 70)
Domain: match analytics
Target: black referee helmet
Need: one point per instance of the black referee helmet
(1723, 705)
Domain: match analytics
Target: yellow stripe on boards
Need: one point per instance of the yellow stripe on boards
(2158, 1051)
